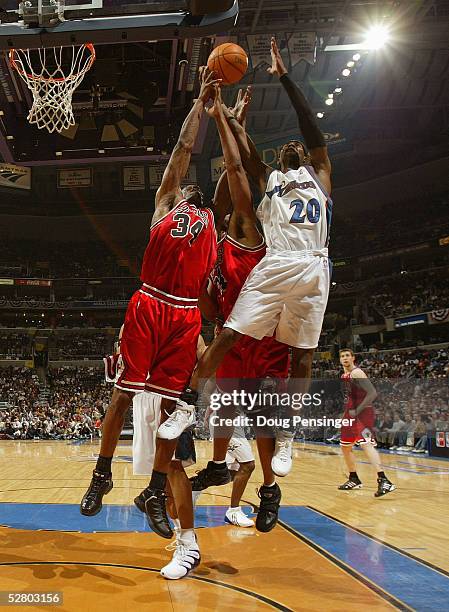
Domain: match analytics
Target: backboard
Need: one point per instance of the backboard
(26, 25)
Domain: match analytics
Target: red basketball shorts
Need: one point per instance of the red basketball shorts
(158, 346)
(362, 429)
(251, 358)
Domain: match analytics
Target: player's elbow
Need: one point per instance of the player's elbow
(185, 145)
(235, 167)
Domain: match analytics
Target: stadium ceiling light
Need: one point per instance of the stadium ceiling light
(101, 151)
(350, 64)
(356, 57)
(346, 72)
(329, 101)
(338, 90)
(330, 95)
(376, 37)
(320, 115)
(58, 153)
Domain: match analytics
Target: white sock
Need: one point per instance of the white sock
(236, 508)
(187, 537)
(177, 524)
(223, 461)
(270, 485)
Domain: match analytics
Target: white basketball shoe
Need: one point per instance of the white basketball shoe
(236, 516)
(179, 420)
(185, 558)
(281, 463)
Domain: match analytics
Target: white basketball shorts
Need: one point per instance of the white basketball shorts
(285, 294)
(146, 418)
(239, 450)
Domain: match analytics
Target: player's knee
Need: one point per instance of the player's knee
(248, 467)
(121, 401)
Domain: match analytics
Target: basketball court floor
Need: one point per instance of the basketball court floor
(332, 549)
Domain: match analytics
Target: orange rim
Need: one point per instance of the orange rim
(33, 77)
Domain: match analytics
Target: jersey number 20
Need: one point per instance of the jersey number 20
(313, 211)
(184, 227)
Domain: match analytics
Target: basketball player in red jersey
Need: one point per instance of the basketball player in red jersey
(239, 251)
(359, 394)
(161, 330)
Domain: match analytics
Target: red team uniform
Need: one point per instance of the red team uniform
(248, 358)
(163, 322)
(361, 431)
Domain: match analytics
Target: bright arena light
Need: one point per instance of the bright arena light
(338, 90)
(356, 57)
(329, 101)
(376, 37)
(330, 95)
(346, 72)
(350, 64)
(320, 115)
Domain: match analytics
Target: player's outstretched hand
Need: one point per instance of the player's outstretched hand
(277, 63)
(241, 105)
(217, 107)
(208, 82)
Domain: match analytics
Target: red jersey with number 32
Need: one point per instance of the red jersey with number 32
(181, 252)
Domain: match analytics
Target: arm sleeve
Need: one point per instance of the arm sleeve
(307, 123)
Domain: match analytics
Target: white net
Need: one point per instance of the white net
(52, 75)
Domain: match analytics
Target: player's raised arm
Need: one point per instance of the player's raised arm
(180, 158)
(243, 218)
(312, 134)
(257, 170)
(222, 204)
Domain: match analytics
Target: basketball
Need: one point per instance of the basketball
(229, 62)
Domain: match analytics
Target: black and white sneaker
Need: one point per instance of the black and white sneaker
(351, 484)
(100, 485)
(270, 499)
(185, 559)
(152, 503)
(384, 486)
(211, 476)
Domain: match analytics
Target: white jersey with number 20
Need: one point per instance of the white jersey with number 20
(295, 212)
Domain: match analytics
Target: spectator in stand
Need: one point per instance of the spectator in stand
(405, 434)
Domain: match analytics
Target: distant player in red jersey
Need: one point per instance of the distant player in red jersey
(160, 334)
(241, 249)
(359, 394)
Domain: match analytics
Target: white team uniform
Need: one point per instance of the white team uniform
(239, 450)
(286, 293)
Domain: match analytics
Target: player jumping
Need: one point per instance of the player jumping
(249, 359)
(160, 335)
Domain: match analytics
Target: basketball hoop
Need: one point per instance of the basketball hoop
(52, 75)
